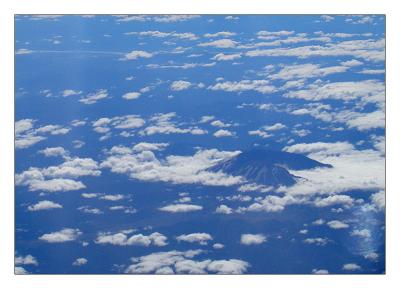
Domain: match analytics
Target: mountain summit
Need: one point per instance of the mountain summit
(267, 167)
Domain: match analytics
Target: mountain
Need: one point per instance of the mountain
(267, 167)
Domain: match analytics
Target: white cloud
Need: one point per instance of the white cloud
(122, 239)
(89, 195)
(54, 151)
(378, 200)
(335, 224)
(276, 126)
(201, 238)
(94, 97)
(220, 34)
(252, 239)
(308, 70)
(26, 135)
(219, 123)
(60, 176)
(23, 51)
(206, 118)
(131, 95)
(65, 235)
(162, 123)
(90, 210)
(223, 133)
(159, 34)
(113, 198)
(226, 57)
(369, 49)
(362, 233)
(135, 54)
(320, 271)
(351, 267)
(224, 209)
(372, 71)
(220, 43)
(70, 92)
(180, 85)
(316, 241)
(146, 166)
(367, 91)
(145, 146)
(18, 270)
(261, 86)
(26, 260)
(56, 185)
(351, 63)
(273, 204)
(351, 169)
(218, 246)
(181, 263)
(260, 133)
(80, 262)
(334, 200)
(27, 141)
(180, 208)
(44, 205)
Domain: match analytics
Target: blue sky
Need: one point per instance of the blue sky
(120, 121)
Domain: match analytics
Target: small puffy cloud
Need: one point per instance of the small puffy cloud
(26, 260)
(206, 118)
(362, 233)
(70, 92)
(371, 256)
(218, 246)
(56, 185)
(366, 90)
(320, 271)
(227, 57)
(276, 126)
(219, 123)
(252, 239)
(223, 209)
(94, 97)
(201, 238)
(180, 85)
(224, 133)
(113, 198)
(122, 239)
(23, 51)
(351, 63)
(80, 262)
(334, 200)
(351, 267)
(18, 270)
(44, 205)
(131, 95)
(335, 224)
(65, 235)
(182, 263)
(145, 146)
(219, 34)
(180, 208)
(90, 210)
(297, 71)
(54, 151)
(135, 54)
(316, 241)
(220, 43)
(262, 86)
(378, 200)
